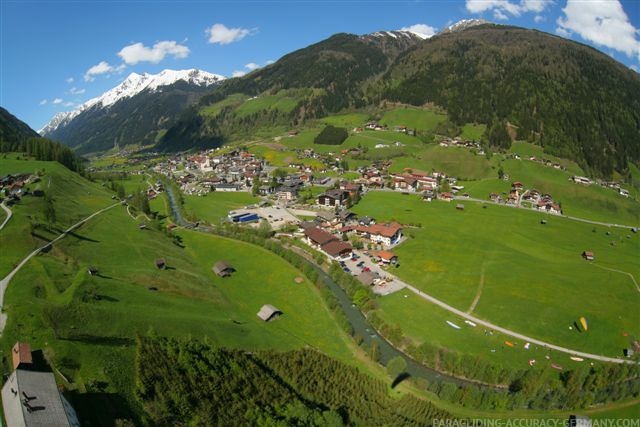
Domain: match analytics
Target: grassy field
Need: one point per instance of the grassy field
(473, 131)
(457, 162)
(421, 119)
(89, 335)
(216, 205)
(591, 202)
(74, 199)
(522, 270)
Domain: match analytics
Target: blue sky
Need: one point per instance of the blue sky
(54, 55)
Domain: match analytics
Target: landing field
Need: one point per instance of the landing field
(526, 276)
(216, 205)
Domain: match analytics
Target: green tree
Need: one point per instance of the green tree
(396, 366)
(49, 210)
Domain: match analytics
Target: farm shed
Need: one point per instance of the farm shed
(223, 269)
(269, 312)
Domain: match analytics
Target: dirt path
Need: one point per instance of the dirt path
(4, 283)
(478, 292)
(621, 272)
(9, 215)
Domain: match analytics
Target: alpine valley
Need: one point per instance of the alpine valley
(399, 228)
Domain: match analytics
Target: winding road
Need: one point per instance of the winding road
(9, 215)
(4, 283)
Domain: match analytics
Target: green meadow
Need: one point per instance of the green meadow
(74, 199)
(216, 205)
(86, 325)
(420, 119)
(528, 277)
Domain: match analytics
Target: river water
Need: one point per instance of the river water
(358, 321)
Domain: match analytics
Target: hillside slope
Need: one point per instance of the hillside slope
(578, 102)
(13, 129)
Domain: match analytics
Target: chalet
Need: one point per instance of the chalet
(92, 270)
(405, 183)
(350, 187)
(446, 196)
(160, 263)
(226, 187)
(548, 206)
(334, 197)
(269, 313)
(588, 255)
(286, 193)
(581, 180)
(21, 355)
(31, 398)
(223, 269)
(387, 234)
(517, 185)
(428, 195)
(387, 257)
(337, 249)
(366, 221)
(628, 352)
(317, 237)
(495, 197)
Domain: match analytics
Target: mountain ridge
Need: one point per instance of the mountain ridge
(134, 84)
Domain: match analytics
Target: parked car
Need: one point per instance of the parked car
(360, 264)
(366, 269)
(346, 270)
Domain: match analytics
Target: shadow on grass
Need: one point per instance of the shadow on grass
(400, 378)
(98, 340)
(102, 276)
(79, 237)
(102, 409)
(107, 298)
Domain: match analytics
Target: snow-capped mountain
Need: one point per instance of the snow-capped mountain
(463, 25)
(137, 111)
(131, 86)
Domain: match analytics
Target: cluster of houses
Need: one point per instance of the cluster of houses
(460, 142)
(13, 187)
(607, 184)
(207, 171)
(375, 125)
(518, 195)
(330, 233)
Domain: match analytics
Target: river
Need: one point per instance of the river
(358, 321)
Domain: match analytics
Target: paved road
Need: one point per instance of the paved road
(9, 215)
(588, 221)
(4, 283)
(512, 333)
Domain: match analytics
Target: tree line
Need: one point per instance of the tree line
(46, 150)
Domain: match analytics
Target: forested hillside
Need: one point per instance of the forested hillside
(193, 383)
(577, 102)
(17, 136)
(13, 129)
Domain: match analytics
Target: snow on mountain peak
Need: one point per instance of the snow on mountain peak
(131, 86)
(463, 25)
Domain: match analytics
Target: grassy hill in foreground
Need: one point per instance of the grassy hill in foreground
(86, 325)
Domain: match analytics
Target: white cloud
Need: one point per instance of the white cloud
(138, 52)
(43, 102)
(634, 68)
(68, 104)
(562, 32)
(499, 15)
(603, 22)
(238, 73)
(269, 62)
(220, 34)
(102, 67)
(501, 8)
(421, 30)
(252, 66)
(57, 101)
(69, 80)
(76, 91)
(539, 18)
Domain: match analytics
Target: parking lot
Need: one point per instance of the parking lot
(362, 263)
(278, 217)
